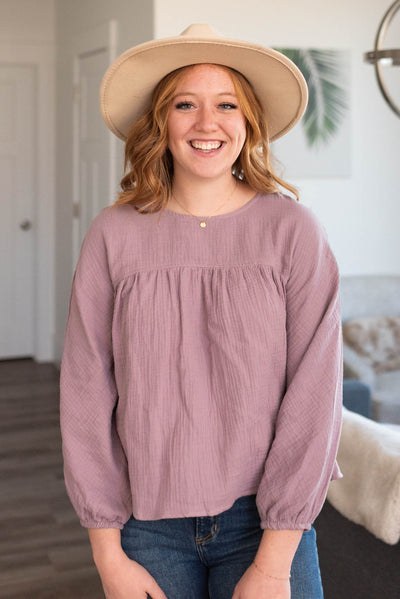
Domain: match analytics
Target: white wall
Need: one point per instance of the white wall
(27, 21)
(360, 213)
(74, 17)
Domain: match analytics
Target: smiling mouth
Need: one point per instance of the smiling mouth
(206, 146)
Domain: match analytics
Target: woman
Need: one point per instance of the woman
(201, 373)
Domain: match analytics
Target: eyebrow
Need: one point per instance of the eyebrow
(194, 94)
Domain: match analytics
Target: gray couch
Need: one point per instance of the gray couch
(366, 296)
(354, 563)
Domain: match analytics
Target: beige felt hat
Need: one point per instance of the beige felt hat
(128, 83)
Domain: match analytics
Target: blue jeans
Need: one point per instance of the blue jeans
(204, 558)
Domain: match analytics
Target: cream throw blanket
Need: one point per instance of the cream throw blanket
(369, 492)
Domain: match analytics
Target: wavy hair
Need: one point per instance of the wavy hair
(148, 162)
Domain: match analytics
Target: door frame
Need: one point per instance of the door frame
(102, 37)
(42, 57)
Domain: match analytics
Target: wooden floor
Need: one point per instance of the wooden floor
(44, 552)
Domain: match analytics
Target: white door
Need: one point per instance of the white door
(93, 148)
(17, 214)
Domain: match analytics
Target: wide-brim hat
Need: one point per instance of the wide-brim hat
(128, 83)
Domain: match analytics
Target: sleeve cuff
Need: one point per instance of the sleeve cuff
(88, 523)
(284, 525)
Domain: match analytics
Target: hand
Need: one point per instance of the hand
(255, 585)
(126, 579)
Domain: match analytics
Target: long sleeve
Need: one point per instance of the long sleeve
(95, 466)
(302, 458)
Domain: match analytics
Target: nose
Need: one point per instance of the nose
(206, 120)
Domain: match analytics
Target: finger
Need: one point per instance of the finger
(155, 591)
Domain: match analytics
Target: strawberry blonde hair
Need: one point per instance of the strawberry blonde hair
(148, 162)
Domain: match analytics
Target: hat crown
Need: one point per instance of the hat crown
(200, 30)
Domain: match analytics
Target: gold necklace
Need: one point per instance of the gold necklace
(203, 221)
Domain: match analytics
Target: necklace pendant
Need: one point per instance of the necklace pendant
(203, 224)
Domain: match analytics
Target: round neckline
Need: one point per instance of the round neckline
(219, 216)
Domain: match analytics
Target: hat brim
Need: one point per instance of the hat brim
(130, 80)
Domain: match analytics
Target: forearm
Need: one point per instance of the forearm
(268, 575)
(106, 545)
(276, 551)
(121, 577)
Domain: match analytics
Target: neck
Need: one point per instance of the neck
(201, 198)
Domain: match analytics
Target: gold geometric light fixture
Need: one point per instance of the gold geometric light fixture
(380, 57)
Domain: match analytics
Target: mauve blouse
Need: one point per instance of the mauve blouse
(201, 365)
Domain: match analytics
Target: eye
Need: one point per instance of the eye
(183, 105)
(228, 106)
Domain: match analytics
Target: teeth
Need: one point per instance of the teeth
(206, 145)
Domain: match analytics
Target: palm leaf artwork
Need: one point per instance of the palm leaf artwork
(327, 101)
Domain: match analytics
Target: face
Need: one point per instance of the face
(206, 127)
